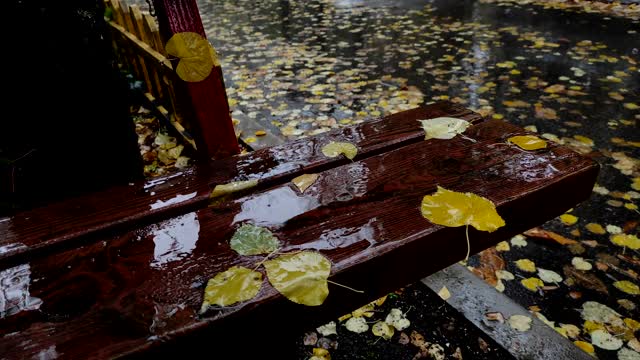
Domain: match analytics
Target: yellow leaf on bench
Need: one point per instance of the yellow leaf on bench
(334, 149)
(301, 277)
(229, 287)
(451, 208)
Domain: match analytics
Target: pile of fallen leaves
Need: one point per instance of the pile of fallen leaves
(160, 152)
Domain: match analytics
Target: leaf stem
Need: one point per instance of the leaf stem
(345, 286)
(265, 259)
(468, 243)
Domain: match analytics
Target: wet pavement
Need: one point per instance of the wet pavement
(300, 68)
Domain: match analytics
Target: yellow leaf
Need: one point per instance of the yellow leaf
(532, 283)
(591, 326)
(568, 219)
(231, 286)
(585, 346)
(636, 184)
(304, 181)
(632, 324)
(250, 140)
(197, 56)
(443, 127)
(583, 139)
(232, 187)
(320, 354)
(526, 265)
(383, 330)
(626, 240)
(631, 206)
(334, 149)
(528, 142)
(596, 228)
(631, 106)
(260, 133)
(515, 103)
(444, 293)
(503, 246)
(450, 208)
(301, 277)
(555, 89)
(627, 287)
(506, 65)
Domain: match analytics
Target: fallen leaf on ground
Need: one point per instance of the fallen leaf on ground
(303, 182)
(490, 264)
(444, 293)
(357, 325)
(494, 316)
(604, 340)
(320, 354)
(520, 322)
(532, 283)
(301, 277)
(254, 240)
(585, 346)
(519, 241)
(334, 149)
(627, 287)
(568, 219)
(443, 127)
(503, 246)
(528, 142)
(397, 319)
(383, 330)
(595, 228)
(231, 286)
(549, 276)
(580, 264)
(585, 279)
(626, 240)
(549, 235)
(327, 329)
(628, 354)
(526, 265)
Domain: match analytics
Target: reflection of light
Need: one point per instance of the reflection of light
(345, 237)
(275, 207)
(175, 200)
(175, 238)
(14, 291)
(49, 353)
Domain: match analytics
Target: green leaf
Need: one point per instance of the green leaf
(254, 240)
(231, 286)
(301, 277)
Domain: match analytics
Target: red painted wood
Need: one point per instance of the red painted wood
(139, 290)
(78, 220)
(208, 97)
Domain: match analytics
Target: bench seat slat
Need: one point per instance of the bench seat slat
(69, 222)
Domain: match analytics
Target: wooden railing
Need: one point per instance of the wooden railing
(139, 47)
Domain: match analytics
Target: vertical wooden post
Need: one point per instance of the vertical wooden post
(216, 135)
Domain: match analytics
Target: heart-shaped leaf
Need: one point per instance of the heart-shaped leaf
(231, 286)
(254, 240)
(232, 187)
(334, 149)
(451, 208)
(443, 127)
(528, 142)
(301, 277)
(197, 56)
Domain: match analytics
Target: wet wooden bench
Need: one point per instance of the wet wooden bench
(122, 272)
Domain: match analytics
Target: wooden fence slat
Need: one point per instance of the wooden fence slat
(134, 11)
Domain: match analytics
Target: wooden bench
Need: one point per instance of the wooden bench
(122, 272)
